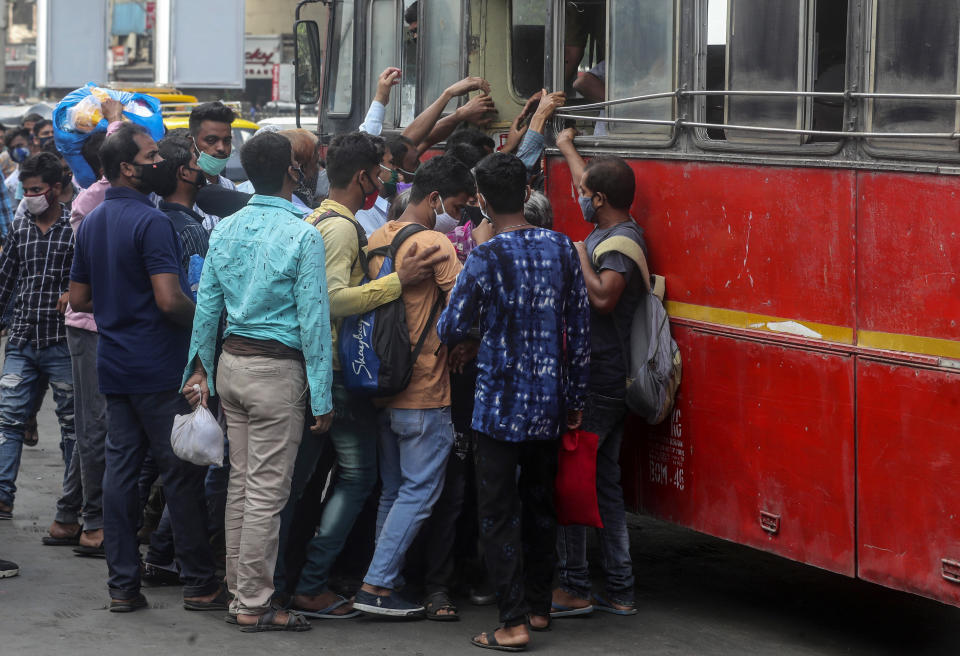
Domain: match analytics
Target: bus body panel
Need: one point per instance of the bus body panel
(908, 454)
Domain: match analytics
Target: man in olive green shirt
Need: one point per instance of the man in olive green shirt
(352, 165)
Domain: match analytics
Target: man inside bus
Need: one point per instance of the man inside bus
(210, 127)
(353, 163)
(615, 287)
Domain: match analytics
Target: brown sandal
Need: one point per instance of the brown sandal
(295, 622)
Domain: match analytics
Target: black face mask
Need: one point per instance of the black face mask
(159, 178)
(200, 181)
(472, 214)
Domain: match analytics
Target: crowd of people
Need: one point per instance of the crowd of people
(331, 502)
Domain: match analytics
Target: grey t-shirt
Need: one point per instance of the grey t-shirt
(610, 333)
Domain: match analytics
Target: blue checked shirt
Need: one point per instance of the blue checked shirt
(265, 267)
(526, 291)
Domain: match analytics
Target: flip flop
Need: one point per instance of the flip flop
(559, 610)
(327, 613)
(492, 643)
(69, 541)
(441, 601)
(605, 606)
(220, 602)
(90, 552)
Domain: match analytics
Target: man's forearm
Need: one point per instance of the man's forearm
(420, 128)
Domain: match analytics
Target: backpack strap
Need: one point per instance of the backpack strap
(631, 249)
(361, 235)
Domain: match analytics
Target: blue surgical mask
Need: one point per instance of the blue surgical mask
(211, 165)
(20, 154)
(589, 211)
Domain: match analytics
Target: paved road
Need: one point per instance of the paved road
(697, 595)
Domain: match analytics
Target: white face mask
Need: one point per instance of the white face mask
(37, 205)
(445, 222)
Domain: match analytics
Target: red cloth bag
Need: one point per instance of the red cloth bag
(575, 491)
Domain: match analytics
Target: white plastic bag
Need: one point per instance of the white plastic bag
(198, 438)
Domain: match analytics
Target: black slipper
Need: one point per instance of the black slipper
(295, 622)
(492, 643)
(128, 605)
(220, 602)
(90, 552)
(437, 602)
(69, 541)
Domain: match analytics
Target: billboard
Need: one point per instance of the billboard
(191, 52)
(71, 43)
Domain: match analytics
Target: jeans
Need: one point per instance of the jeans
(604, 416)
(19, 397)
(138, 423)
(91, 421)
(353, 436)
(518, 523)
(414, 448)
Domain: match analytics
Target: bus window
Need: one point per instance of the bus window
(528, 19)
(384, 49)
(641, 61)
(904, 63)
(442, 48)
(584, 39)
(341, 64)
(793, 45)
(408, 82)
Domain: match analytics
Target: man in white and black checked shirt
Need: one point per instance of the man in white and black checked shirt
(38, 251)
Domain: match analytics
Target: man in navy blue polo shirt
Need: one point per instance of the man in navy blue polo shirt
(127, 271)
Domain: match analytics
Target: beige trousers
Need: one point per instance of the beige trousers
(263, 400)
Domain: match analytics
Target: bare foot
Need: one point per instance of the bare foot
(58, 530)
(91, 538)
(280, 618)
(539, 621)
(319, 602)
(563, 598)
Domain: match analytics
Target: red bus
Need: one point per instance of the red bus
(797, 167)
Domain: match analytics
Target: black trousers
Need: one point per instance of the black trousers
(518, 523)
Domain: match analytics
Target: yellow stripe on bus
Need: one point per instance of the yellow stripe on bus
(738, 319)
(840, 334)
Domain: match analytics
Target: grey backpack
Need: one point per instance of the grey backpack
(655, 366)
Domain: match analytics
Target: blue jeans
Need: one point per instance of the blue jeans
(604, 416)
(414, 448)
(353, 436)
(20, 394)
(138, 423)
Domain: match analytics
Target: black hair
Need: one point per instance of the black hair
(502, 179)
(90, 150)
(210, 111)
(399, 145)
(12, 134)
(30, 118)
(51, 147)
(410, 14)
(121, 146)
(442, 174)
(178, 150)
(39, 125)
(612, 177)
(467, 154)
(380, 144)
(3, 128)
(347, 154)
(466, 133)
(265, 159)
(46, 166)
(178, 132)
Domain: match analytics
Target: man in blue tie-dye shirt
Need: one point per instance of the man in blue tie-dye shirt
(525, 289)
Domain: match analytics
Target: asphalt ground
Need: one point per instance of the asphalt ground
(696, 595)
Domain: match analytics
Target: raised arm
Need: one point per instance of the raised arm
(373, 122)
(569, 152)
(423, 125)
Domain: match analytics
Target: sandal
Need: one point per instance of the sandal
(295, 622)
(606, 606)
(492, 643)
(220, 602)
(328, 612)
(440, 601)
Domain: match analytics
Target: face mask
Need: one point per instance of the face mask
(390, 187)
(403, 186)
(323, 184)
(369, 198)
(200, 181)
(483, 212)
(589, 211)
(444, 222)
(44, 141)
(66, 179)
(37, 205)
(159, 178)
(211, 165)
(19, 154)
(473, 214)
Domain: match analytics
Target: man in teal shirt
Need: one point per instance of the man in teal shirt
(265, 267)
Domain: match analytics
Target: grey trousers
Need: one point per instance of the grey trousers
(71, 500)
(90, 422)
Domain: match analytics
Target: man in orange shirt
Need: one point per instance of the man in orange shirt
(416, 431)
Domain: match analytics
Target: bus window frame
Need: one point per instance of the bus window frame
(514, 94)
(618, 139)
(699, 108)
(421, 102)
(391, 119)
(881, 152)
(359, 46)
